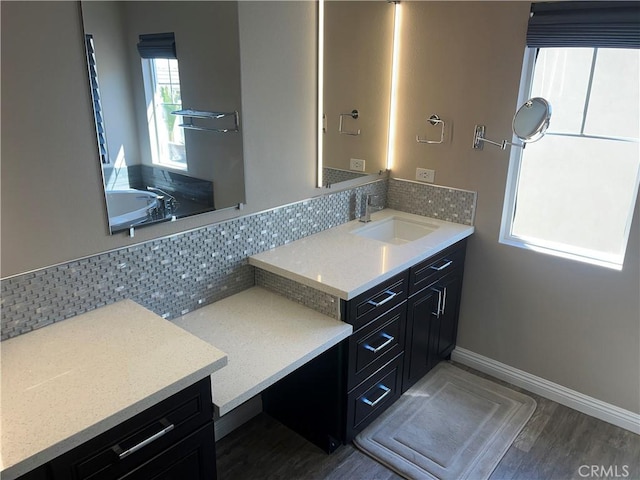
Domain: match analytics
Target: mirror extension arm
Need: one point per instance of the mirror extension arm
(479, 140)
(529, 124)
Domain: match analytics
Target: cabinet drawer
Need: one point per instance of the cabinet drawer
(190, 458)
(128, 445)
(374, 302)
(369, 399)
(428, 271)
(375, 344)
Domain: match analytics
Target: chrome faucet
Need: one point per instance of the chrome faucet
(369, 207)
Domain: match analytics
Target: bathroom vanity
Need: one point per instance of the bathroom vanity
(398, 280)
(120, 392)
(116, 391)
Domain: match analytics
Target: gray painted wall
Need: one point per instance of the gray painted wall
(570, 323)
(57, 209)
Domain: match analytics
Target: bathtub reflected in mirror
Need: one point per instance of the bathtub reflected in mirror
(128, 208)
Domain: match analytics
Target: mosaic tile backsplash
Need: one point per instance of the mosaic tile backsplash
(174, 275)
(315, 299)
(444, 203)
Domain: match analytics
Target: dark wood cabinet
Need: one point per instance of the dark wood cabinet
(432, 312)
(310, 400)
(337, 394)
(401, 329)
(173, 439)
(374, 354)
(422, 327)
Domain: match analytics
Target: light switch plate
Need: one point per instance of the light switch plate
(356, 164)
(425, 175)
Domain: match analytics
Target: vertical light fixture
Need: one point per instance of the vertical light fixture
(320, 88)
(395, 67)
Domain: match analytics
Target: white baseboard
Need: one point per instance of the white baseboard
(241, 414)
(553, 391)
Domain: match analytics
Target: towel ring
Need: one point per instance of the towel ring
(434, 120)
(353, 114)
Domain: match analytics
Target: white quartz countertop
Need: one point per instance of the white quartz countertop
(266, 337)
(341, 263)
(68, 382)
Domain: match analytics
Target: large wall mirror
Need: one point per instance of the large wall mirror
(165, 80)
(358, 51)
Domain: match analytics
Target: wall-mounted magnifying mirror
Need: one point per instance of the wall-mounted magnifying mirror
(529, 124)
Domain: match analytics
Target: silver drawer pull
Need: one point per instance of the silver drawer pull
(387, 391)
(441, 267)
(388, 292)
(145, 442)
(380, 347)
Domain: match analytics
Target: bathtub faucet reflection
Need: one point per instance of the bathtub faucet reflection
(168, 202)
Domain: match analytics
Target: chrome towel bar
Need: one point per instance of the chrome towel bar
(190, 114)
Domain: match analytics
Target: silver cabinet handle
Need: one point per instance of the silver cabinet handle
(380, 347)
(441, 267)
(145, 442)
(387, 391)
(444, 300)
(388, 292)
(438, 308)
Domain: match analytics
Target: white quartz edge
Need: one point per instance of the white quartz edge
(66, 383)
(266, 337)
(338, 262)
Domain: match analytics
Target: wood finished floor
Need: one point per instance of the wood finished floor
(553, 445)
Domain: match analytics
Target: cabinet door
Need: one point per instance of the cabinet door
(423, 328)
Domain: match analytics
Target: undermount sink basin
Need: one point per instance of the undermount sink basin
(396, 230)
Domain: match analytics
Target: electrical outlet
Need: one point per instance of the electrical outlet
(356, 164)
(425, 175)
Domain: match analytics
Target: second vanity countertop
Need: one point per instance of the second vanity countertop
(266, 337)
(64, 384)
(338, 262)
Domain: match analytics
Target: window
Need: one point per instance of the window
(573, 193)
(162, 89)
(97, 102)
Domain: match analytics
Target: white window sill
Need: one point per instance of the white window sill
(613, 262)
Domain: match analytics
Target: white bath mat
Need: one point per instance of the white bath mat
(450, 425)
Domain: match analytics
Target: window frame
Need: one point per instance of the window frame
(149, 79)
(506, 237)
